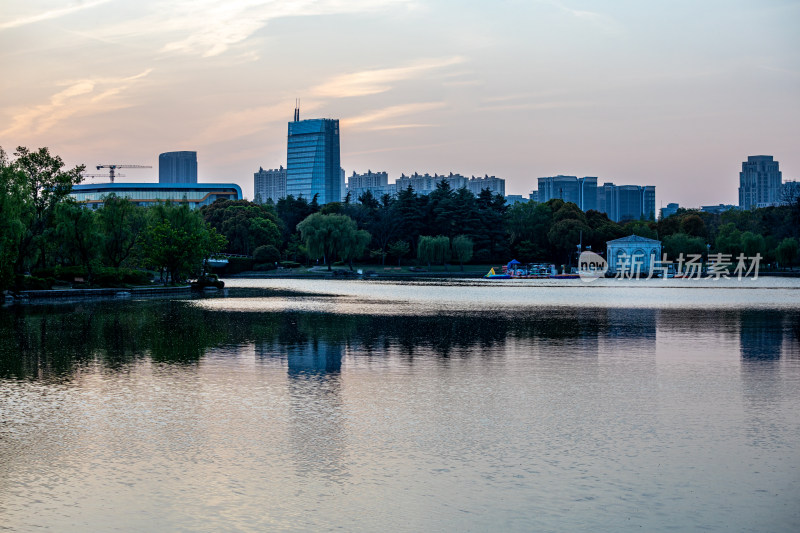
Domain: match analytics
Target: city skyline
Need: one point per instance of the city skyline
(675, 95)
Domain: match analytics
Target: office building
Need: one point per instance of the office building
(717, 209)
(177, 167)
(670, 210)
(269, 184)
(790, 192)
(580, 191)
(313, 165)
(147, 194)
(619, 202)
(512, 199)
(759, 182)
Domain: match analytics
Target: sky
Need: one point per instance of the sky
(673, 94)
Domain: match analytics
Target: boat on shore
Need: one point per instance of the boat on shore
(516, 270)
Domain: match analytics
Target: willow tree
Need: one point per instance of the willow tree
(330, 236)
(462, 249)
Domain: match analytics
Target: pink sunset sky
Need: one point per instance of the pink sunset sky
(672, 94)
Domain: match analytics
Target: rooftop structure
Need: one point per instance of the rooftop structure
(177, 167)
(146, 194)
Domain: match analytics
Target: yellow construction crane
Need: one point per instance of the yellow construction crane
(112, 169)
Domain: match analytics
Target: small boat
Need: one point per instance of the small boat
(492, 275)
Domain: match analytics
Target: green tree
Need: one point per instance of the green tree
(246, 225)
(399, 249)
(693, 225)
(425, 250)
(79, 234)
(680, 243)
(753, 244)
(121, 224)
(13, 207)
(462, 249)
(728, 240)
(353, 244)
(528, 226)
(786, 251)
(46, 184)
(266, 254)
(641, 228)
(565, 236)
(329, 236)
(178, 241)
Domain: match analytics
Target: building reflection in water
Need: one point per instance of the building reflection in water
(762, 336)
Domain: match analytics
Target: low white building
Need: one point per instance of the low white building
(632, 253)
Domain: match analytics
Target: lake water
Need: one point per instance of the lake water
(302, 405)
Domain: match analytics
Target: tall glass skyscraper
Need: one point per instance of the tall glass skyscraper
(177, 167)
(313, 159)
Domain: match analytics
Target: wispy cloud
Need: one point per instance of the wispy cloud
(600, 20)
(379, 80)
(80, 97)
(51, 14)
(388, 113)
(247, 122)
(211, 27)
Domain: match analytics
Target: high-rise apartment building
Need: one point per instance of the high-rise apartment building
(375, 182)
(313, 161)
(177, 167)
(759, 182)
(368, 180)
(619, 202)
(269, 184)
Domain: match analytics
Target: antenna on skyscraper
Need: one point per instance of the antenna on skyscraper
(297, 110)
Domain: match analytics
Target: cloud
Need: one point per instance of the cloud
(247, 122)
(387, 113)
(377, 81)
(600, 20)
(81, 97)
(211, 27)
(51, 14)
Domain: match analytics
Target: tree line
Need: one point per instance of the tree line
(43, 230)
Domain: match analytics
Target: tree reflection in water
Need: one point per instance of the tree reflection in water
(55, 341)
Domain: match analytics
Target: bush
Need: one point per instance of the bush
(114, 277)
(238, 264)
(62, 273)
(266, 254)
(290, 264)
(34, 283)
(261, 267)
